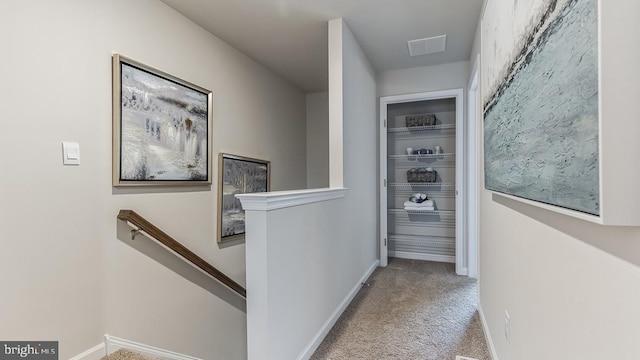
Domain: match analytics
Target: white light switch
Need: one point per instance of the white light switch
(70, 153)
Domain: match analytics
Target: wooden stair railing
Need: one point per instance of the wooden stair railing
(142, 224)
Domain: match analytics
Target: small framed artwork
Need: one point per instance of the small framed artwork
(161, 127)
(238, 175)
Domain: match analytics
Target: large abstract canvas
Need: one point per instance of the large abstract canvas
(540, 95)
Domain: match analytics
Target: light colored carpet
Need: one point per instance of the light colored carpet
(412, 310)
(124, 354)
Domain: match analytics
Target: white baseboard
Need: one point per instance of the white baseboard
(95, 353)
(463, 272)
(324, 330)
(114, 344)
(487, 334)
(425, 257)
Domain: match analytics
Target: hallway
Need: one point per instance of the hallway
(412, 310)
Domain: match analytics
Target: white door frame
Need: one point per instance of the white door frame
(461, 244)
(382, 193)
(472, 150)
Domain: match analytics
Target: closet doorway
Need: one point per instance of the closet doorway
(422, 154)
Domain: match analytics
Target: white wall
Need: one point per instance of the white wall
(475, 48)
(305, 263)
(423, 79)
(570, 286)
(318, 140)
(360, 126)
(74, 275)
(336, 107)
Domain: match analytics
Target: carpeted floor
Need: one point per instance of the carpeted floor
(412, 310)
(124, 354)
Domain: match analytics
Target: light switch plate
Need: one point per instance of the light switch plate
(70, 153)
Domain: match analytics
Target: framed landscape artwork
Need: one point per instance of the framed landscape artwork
(161, 127)
(238, 175)
(541, 102)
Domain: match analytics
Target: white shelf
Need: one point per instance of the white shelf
(422, 156)
(421, 128)
(433, 194)
(422, 212)
(447, 222)
(443, 240)
(441, 245)
(433, 186)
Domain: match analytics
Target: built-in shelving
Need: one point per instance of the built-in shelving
(432, 185)
(422, 128)
(441, 245)
(423, 212)
(422, 156)
(416, 233)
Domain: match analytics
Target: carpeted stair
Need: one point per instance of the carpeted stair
(124, 354)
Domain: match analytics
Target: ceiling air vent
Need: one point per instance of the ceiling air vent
(426, 46)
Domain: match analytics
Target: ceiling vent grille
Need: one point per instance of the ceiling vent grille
(426, 46)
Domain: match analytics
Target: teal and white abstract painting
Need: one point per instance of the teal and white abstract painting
(540, 95)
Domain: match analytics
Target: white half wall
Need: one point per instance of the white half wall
(305, 261)
(318, 140)
(570, 286)
(70, 271)
(302, 269)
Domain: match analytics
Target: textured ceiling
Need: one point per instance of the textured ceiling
(290, 36)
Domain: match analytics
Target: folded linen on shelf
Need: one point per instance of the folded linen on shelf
(424, 203)
(419, 208)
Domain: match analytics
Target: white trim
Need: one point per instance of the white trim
(113, 344)
(429, 95)
(474, 84)
(283, 199)
(95, 353)
(382, 245)
(482, 11)
(472, 169)
(324, 330)
(425, 257)
(601, 155)
(461, 195)
(487, 334)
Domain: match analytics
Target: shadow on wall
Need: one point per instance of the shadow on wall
(157, 252)
(619, 241)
